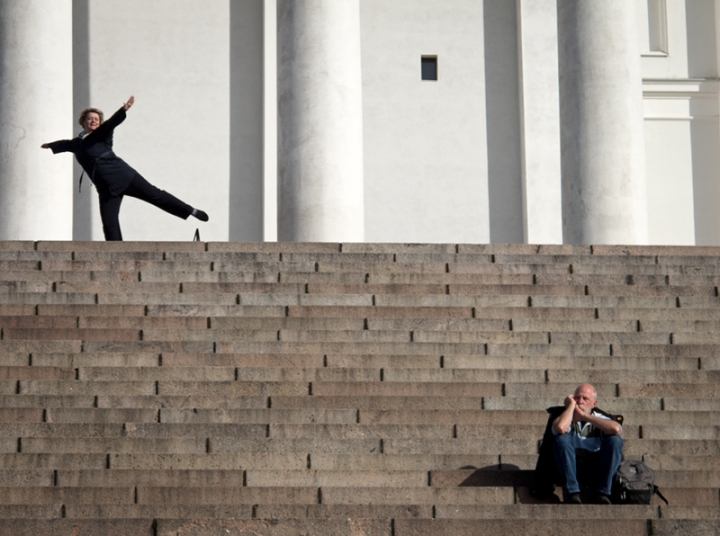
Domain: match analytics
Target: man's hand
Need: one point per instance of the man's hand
(129, 103)
(570, 401)
(579, 414)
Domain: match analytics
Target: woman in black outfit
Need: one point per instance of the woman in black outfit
(112, 177)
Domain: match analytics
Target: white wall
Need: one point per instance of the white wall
(681, 126)
(425, 142)
(173, 55)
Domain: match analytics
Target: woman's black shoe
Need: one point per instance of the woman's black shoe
(201, 215)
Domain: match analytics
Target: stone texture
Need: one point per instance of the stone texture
(405, 394)
(273, 527)
(77, 527)
(448, 527)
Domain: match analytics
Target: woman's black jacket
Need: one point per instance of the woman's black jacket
(110, 173)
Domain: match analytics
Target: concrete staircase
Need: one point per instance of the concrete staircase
(345, 389)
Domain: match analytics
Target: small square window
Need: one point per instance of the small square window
(429, 70)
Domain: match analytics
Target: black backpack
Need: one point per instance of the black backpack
(634, 483)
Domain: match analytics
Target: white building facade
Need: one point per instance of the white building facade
(504, 121)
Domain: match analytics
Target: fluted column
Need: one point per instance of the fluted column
(35, 107)
(320, 150)
(603, 152)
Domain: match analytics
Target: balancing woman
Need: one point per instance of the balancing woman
(113, 177)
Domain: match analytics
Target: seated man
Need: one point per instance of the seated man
(580, 429)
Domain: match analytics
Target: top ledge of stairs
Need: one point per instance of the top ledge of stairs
(364, 247)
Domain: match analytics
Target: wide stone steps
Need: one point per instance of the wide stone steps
(390, 389)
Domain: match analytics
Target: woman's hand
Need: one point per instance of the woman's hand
(45, 146)
(129, 103)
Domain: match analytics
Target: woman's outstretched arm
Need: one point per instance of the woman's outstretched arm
(116, 118)
(60, 146)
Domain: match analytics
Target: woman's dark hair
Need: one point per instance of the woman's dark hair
(86, 111)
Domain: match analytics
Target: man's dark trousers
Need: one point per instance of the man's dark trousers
(607, 460)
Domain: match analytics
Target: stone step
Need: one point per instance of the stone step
(230, 495)
(12, 400)
(231, 389)
(164, 373)
(561, 363)
(94, 310)
(55, 495)
(202, 310)
(371, 311)
(36, 373)
(103, 445)
(38, 322)
(488, 423)
(260, 511)
(130, 246)
(474, 445)
(40, 334)
(382, 403)
(502, 324)
(383, 277)
(46, 346)
(97, 388)
(691, 404)
(381, 526)
(219, 374)
(78, 527)
(49, 297)
(50, 387)
(213, 461)
(648, 315)
(19, 326)
(101, 360)
(207, 401)
(302, 360)
(152, 429)
(340, 527)
(261, 416)
(674, 390)
(108, 359)
(74, 276)
(529, 527)
(526, 397)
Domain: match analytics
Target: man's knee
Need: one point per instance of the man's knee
(563, 442)
(613, 442)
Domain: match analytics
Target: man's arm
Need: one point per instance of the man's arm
(608, 426)
(561, 425)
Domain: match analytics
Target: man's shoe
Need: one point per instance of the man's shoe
(601, 498)
(573, 498)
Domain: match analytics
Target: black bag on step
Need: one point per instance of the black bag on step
(634, 483)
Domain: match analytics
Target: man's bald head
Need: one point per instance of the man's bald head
(586, 397)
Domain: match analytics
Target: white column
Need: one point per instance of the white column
(320, 151)
(540, 121)
(603, 151)
(36, 105)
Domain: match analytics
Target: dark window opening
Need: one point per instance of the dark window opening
(429, 67)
